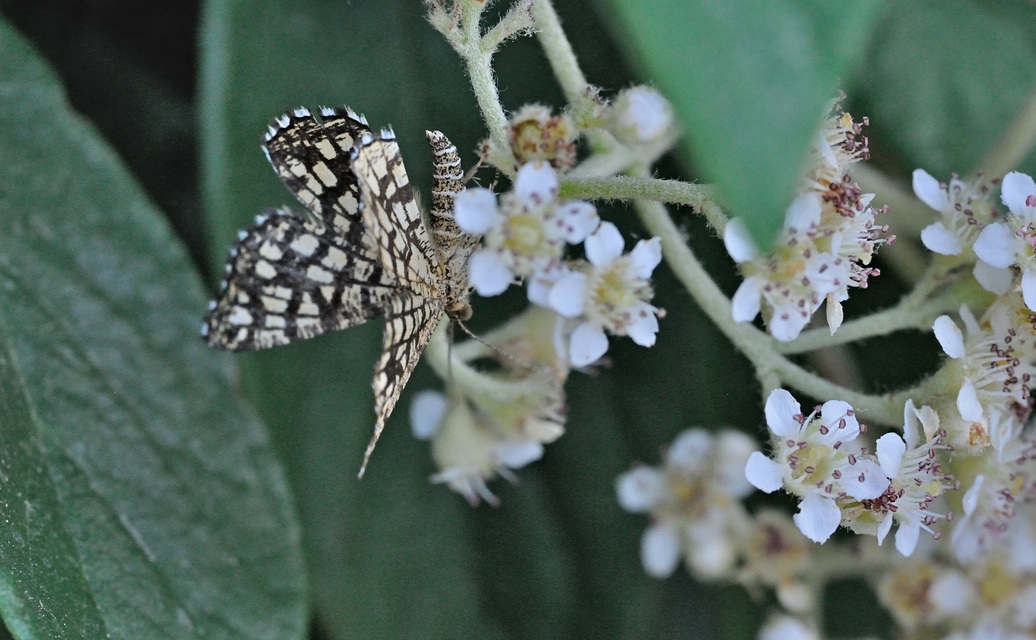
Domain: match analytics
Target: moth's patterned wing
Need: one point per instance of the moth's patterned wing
(395, 228)
(312, 159)
(289, 279)
(454, 245)
(409, 324)
(392, 218)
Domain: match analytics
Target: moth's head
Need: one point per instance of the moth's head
(459, 309)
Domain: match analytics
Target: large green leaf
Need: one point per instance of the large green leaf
(749, 82)
(937, 92)
(140, 498)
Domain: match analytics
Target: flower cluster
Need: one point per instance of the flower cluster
(694, 500)
(818, 458)
(473, 443)
(525, 233)
(987, 597)
(825, 247)
(490, 423)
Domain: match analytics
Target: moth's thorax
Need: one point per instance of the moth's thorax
(459, 309)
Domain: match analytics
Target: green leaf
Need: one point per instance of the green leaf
(141, 498)
(750, 83)
(936, 97)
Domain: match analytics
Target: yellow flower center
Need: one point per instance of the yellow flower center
(525, 235)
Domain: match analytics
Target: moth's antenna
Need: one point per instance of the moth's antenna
(449, 354)
(470, 173)
(510, 356)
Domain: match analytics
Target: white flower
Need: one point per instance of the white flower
(1006, 478)
(795, 281)
(525, 231)
(992, 376)
(965, 208)
(916, 480)
(696, 510)
(471, 447)
(1012, 242)
(609, 295)
(640, 115)
(660, 549)
(815, 458)
(829, 237)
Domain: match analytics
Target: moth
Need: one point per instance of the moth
(362, 251)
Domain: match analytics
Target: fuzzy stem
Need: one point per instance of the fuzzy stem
(559, 52)
(699, 197)
(472, 382)
(479, 63)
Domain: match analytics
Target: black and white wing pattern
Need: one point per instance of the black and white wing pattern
(362, 252)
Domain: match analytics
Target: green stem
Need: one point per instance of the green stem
(559, 52)
(898, 318)
(479, 63)
(699, 197)
(472, 382)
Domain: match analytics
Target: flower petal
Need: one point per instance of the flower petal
(640, 489)
(803, 214)
(1015, 191)
(787, 322)
(487, 274)
(645, 257)
(884, 527)
(515, 454)
(928, 190)
(968, 403)
(970, 500)
(1029, 289)
(427, 409)
(818, 517)
(906, 537)
(660, 550)
(949, 336)
(604, 245)
(890, 448)
(745, 304)
(643, 324)
(783, 413)
(835, 313)
(864, 480)
(993, 280)
(738, 241)
(996, 245)
(587, 345)
(763, 473)
(578, 219)
(568, 295)
(938, 239)
(475, 210)
(541, 283)
(536, 184)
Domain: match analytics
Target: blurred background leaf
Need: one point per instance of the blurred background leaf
(393, 556)
(750, 85)
(140, 499)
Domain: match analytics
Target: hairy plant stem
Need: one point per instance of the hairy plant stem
(478, 60)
